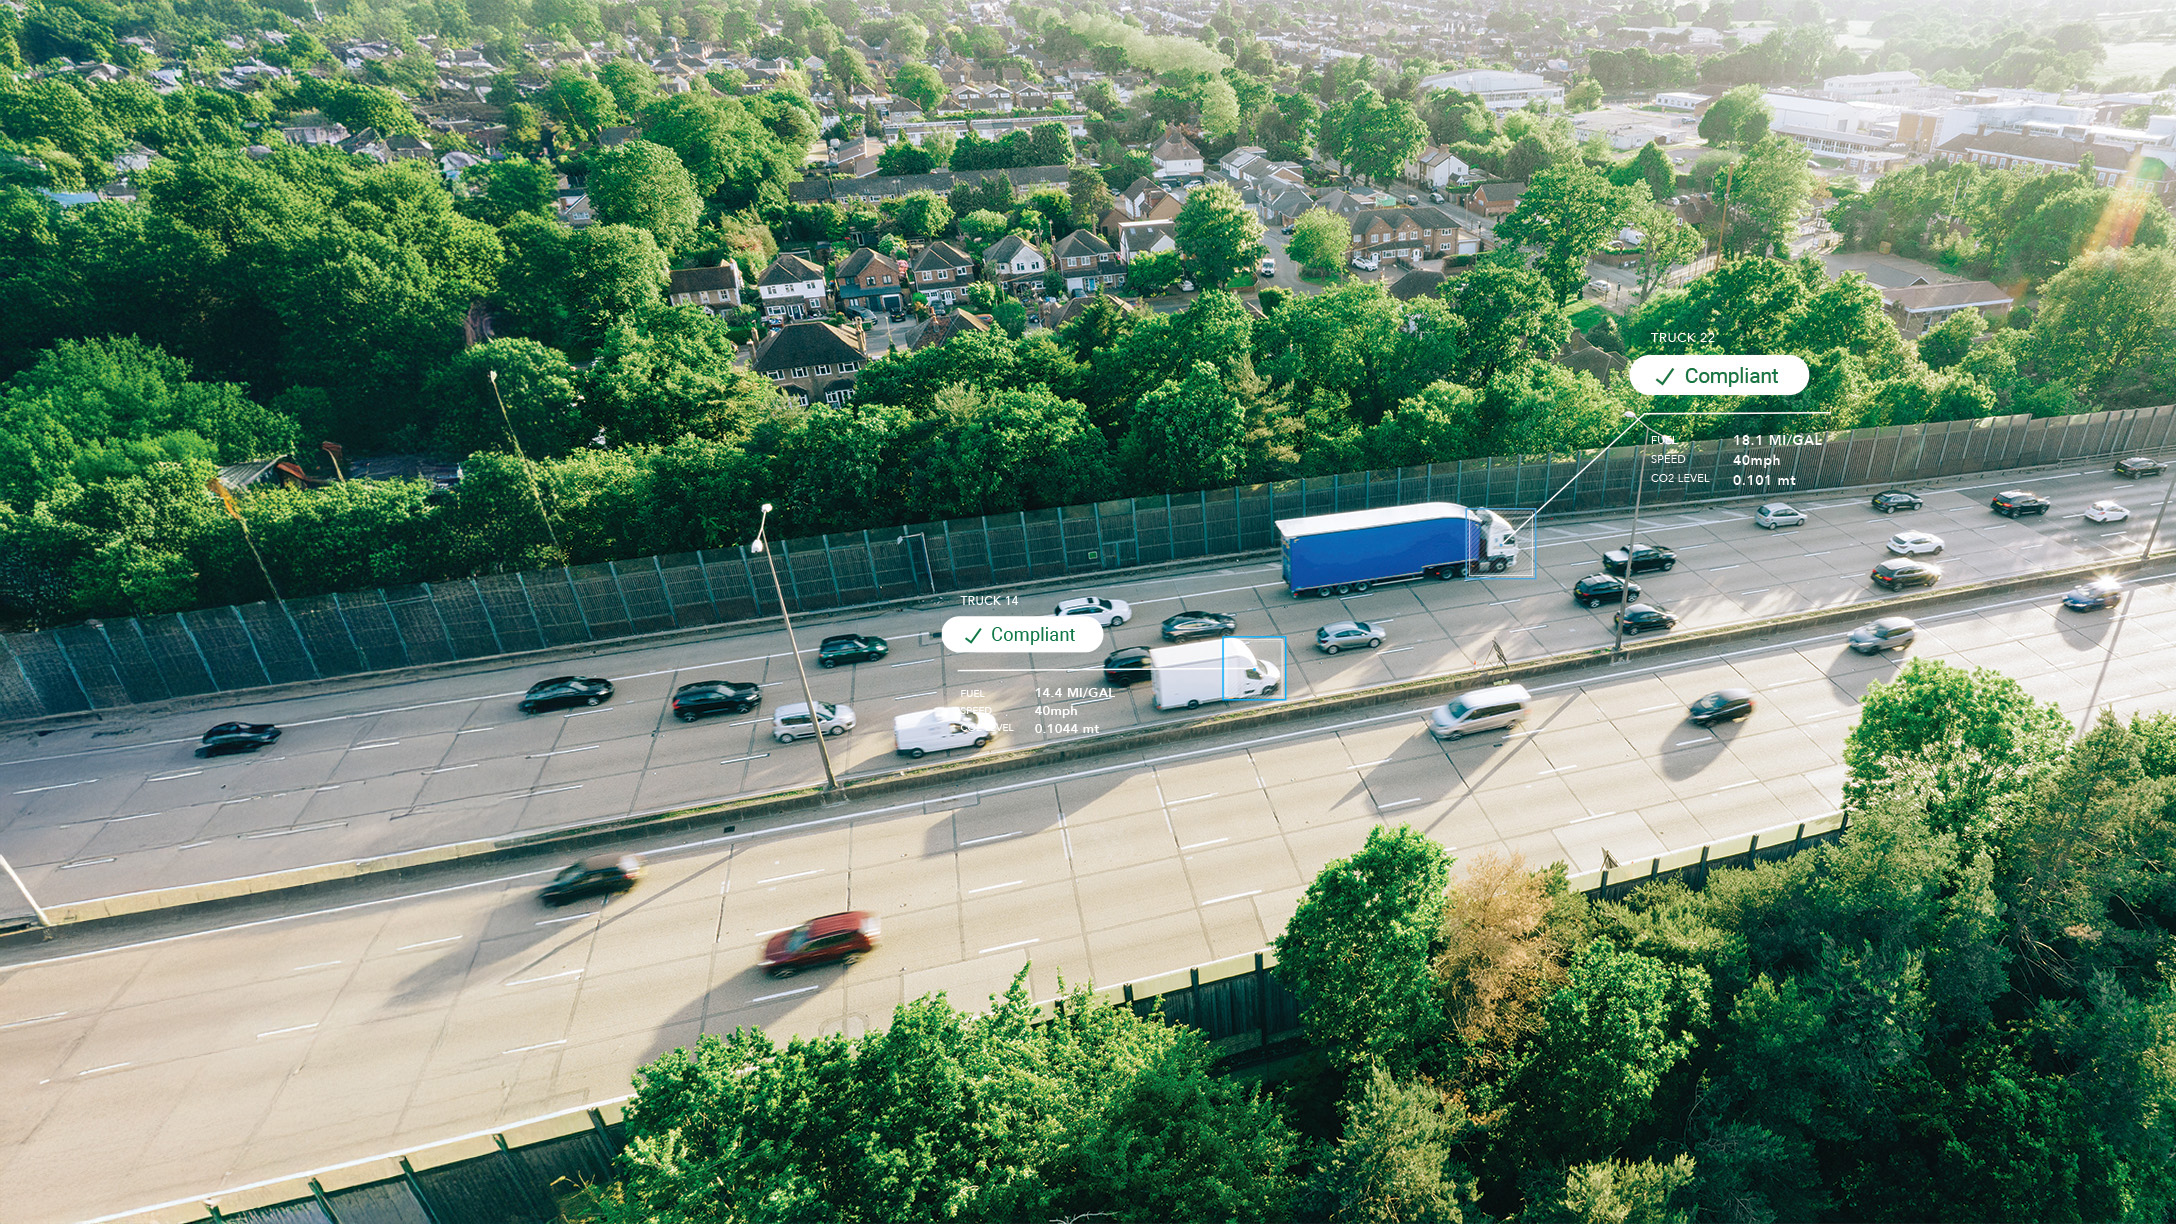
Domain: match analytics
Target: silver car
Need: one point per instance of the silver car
(1343, 634)
(1776, 514)
(791, 722)
(1888, 633)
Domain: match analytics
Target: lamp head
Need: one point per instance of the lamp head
(494, 375)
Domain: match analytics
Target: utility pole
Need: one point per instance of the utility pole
(815, 715)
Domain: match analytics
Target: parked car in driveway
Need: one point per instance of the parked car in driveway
(1888, 633)
(693, 701)
(2139, 466)
(851, 648)
(595, 876)
(1901, 575)
(2095, 595)
(1128, 666)
(1889, 501)
(1645, 557)
(1105, 612)
(1594, 590)
(1366, 263)
(2105, 511)
(1723, 705)
(1777, 514)
(237, 737)
(834, 938)
(2015, 503)
(1643, 618)
(561, 691)
(791, 722)
(1344, 635)
(1187, 626)
(1912, 543)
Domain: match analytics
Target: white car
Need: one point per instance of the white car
(1366, 263)
(1105, 612)
(1906, 543)
(2106, 512)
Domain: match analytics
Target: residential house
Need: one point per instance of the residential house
(1138, 238)
(1418, 283)
(811, 360)
(857, 157)
(791, 288)
(1435, 167)
(1421, 232)
(1017, 265)
(572, 208)
(1285, 205)
(1175, 156)
(1089, 263)
(1494, 200)
(313, 128)
(1143, 201)
(881, 187)
(715, 290)
(2153, 169)
(872, 280)
(1915, 308)
(945, 326)
(941, 272)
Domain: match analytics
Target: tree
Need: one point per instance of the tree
(1048, 144)
(981, 228)
(632, 85)
(1568, 211)
(1394, 1160)
(1666, 244)
(1188, 434)
(1622, 1192)
(1219, 108)
(1439, 424)
(1739, 117)
(1771, 187)
(1319, 240)
(848, 74)
(1946, 344)
(1511, 315)
(1379, 1007)
(1154, 275)
(1217, 235)
(535, 383)
(905, 157)
(644, 185)
(1983, 733)
(578, 104)
(667, 371)
(507, 188)
(2106, 313)
(1088, 194)
(1651, 168)
(1584, 95)
(921, 214)
(1009, 451)
(919, 84)
(1371, 136)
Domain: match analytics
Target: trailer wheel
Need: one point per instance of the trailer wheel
(1361, 587)
(1193, 705)
(1344, 588)
(1499, 565)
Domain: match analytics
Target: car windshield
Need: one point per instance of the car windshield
(1459, 709)
(797, 939)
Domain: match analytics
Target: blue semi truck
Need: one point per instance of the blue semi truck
(1340, 554)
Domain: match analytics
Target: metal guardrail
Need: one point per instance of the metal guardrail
(125, 661)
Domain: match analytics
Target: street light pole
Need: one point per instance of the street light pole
(1631, 546)
(535, 490)
(2168, 494)
(815, 716)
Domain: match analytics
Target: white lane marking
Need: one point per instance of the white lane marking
(85, 863)
(1824, 552)
(378, 744)
(1596, 815)
(474, 730)
(1651, 709)
(1203, 594)
(1392, 650)
(564, 751)
(174, 777)
(783, 994)
(1735, 785)
(1702, 740)
(559, 918)
(1559, 769)
(107, 1067)
(33, 1020)
(1171, 803)
(1240, 896)
(753, 756)
(317, 965)
(289, 832)
(1198, 845)
(992, 887)
(795, 876)
(453, 768)
(1397, 803)
(300, 1028)
(1716, 569)
(541, 1045)
(1757, 591)
(39, 790)
(747, 722)
(549, 977)
(976, 841)
(598, 710)
(1002, 947)
(428, 943)
(1369, 764)
(912, 696)
(912, 662)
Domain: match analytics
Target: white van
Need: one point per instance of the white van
(944, 727)
(1487, 709)
(791, 722)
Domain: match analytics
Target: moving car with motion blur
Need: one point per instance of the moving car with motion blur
(1912, 543)
(2016, 503)
(791, 722)
(1344, 635)
(1902, 575)
(562, 691)
(2138, 466)
(1889, 501)
(851, 648)
(1594, 590)
(1777, 514)
(1723, 705)
(1190, 626)
(595, 876)
(2095, 595)
(1888, 633)
(693, 701)
(1645, 557)
(1129, 666)
(237, 737)
(841, 939)
(1108, 613)
(2106, 511)
(1644, 618)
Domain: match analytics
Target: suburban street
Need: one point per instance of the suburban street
(119, 804)
(180, 1060)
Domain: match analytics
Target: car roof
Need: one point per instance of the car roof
(844, 637)
(556, 680)
(1495, 693)
(599, 862)
(1733, 694)
(1340, 626)
(831, 924)
(1895, 622)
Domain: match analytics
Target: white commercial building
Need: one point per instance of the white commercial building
(1502, 91)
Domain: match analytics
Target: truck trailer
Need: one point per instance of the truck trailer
(1340, 554)
(1220, 670)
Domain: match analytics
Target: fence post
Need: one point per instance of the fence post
(612, 568)
(831, 566)
(308, 655)
(445, 631)
(868, 551)
(247, 636)
(535, 618)
(1261, 997)
(588, 634)
(709, 592)
(664, 589)
(748, 570)
(498, 644)
(339, 610)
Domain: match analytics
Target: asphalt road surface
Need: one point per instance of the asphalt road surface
(121, 805)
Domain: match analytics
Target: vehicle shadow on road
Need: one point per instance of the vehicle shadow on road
(510, 932)
(1682, 759)
(751, 998)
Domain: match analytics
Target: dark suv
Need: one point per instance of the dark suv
(1186, 626)
(1594, 590)
(1899, 574)
(592, 877)
(2015, 502)
(560, 691)
(1645, 557)
(851, 648)
(692, 701)
(1641, 618)
(1889, 501)
(845, 938)
(2141, 466)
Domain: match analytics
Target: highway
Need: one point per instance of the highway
(186, 1059)
(120, 804)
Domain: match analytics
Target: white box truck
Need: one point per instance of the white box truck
(927, 731)
(1219, 670)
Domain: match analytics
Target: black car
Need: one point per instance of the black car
(2095, 595)
(1898, 574)
(692, 701)
(1889, 501)
(2014, 502)
(593, 876)
(1128, 666)
(1725, 705)
(565, 691)
(1594, 590)
(1645, 557)
(1287, 230)
(1639, 618)
(851, 648)
(898, 314)
(1186, 626)
(2141, 466)
(237, 737)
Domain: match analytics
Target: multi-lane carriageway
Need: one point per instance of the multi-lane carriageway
(170, 1059)
(120, 805)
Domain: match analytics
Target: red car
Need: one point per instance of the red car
(845, 938)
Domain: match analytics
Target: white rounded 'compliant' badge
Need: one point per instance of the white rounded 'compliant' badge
(1661, 374)
(998, 634)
